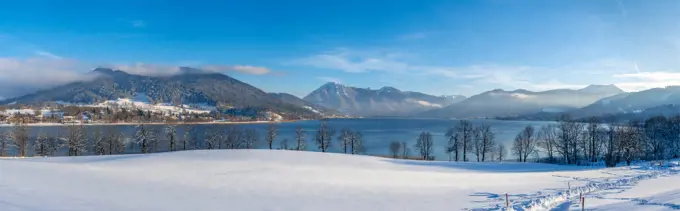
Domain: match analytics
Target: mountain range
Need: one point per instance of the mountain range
(189, 86)
(501, 103)
(386, 101)
(194, 86)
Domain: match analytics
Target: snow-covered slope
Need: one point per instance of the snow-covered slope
(141, 101)
(280, 180)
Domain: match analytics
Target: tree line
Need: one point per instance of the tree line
(568, 141)
(462, 140)
(593, 141)
(77, 140)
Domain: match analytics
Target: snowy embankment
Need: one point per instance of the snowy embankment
(280, 180)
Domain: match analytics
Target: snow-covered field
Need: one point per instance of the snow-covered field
(290, 180)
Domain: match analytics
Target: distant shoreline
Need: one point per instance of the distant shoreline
(150, 123)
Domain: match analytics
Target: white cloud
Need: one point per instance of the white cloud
(365, 61)
(147, 69)
(330, 79)
(18, 76)
(47, 54)
(647, 80)
(474, 78)
(247, 69)
(155, 69)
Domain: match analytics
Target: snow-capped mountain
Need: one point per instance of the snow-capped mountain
(292, 99)
(501, 103)
(631, 102)
(386, 101)
(191, 86)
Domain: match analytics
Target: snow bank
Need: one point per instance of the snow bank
(276, 180)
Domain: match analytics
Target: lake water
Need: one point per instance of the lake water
(378, 133)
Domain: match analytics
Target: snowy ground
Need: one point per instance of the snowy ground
(288, 180)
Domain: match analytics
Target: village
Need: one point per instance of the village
(56, 115)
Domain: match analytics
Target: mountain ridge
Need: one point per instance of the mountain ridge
(501, 103)
(187, 86)
(386, 101)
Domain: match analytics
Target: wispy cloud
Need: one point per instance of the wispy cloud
(481, 77)
(138, 23)
(329, 79)
(18, 76)
(364, 61)
(647, 80)
(160, 69)
(47, 54)
(246, 69)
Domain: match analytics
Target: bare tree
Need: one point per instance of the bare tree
(345, 139)
(41, 145)
(118, 143)
(234, 138)
(155, 139)
(99, 144)
(5, 143)
(251, 137)
(356, 141)
(424, 144)
(171, 134)
(110, 137)
(488, 141)
(211, 138)
(186, 139)
(612, 145)
(632, 139)
(76, 140)
(524, 144)
(405, 151)
(453, 146)
(324, 136)
(238, 139)
(593, 142)
(20, 138)
(300, 136)
(656, 136)
(567, 139)
(465, 129)
(477, 143)
(517, 148)
(501, 152)
(547, 140)
(284, 144)
(395, 148)
(272, 132)
(142, 137)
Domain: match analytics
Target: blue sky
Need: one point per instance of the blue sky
(437, 47)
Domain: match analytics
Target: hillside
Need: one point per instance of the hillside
(191, 86)
(289, 180)
(631, 102)
(501, 103)
(387, 101)
(292, 99)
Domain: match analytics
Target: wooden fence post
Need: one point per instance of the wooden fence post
(569, 185)
(583, 203)
(507, 202)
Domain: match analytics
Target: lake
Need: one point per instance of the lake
(378, 133)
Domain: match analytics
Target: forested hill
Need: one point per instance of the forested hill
(189, 86)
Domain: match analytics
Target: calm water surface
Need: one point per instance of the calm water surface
(378, 133)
